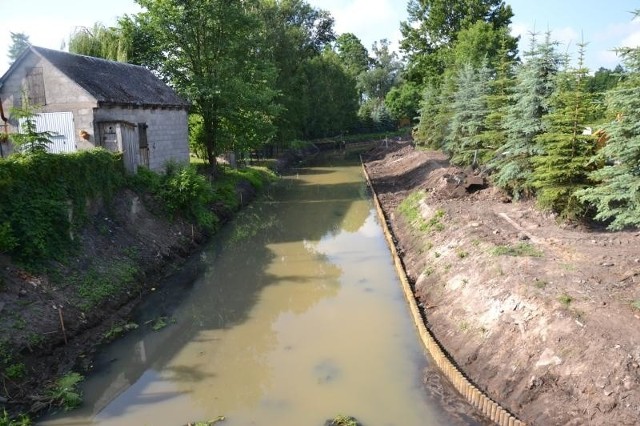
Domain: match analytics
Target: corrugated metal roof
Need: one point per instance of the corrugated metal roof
(112, 82)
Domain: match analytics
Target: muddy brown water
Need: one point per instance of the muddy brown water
(293, 316)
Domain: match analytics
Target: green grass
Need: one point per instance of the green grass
(636, 304)
(102, 282)
(521, 249)
(565, 299)
(410, 210)
(541, 284)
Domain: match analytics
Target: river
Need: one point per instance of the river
(293, 316)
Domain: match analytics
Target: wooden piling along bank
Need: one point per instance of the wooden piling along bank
(489, 408)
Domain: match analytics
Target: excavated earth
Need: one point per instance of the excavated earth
(542, 316)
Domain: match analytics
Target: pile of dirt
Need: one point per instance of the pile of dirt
(542, 316)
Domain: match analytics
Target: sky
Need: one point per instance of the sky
(603, 24)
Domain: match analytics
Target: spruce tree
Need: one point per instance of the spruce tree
(616, 196)
(426, 133)
(469, 113)
(435, 114)
(498, 103)
(561, 168)
(523, 122)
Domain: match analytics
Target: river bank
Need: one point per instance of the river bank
(54, 317)
(542, 317)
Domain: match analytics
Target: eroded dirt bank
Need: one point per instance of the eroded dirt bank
(544, 318)
(126, 248)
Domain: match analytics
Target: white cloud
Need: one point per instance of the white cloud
(369, 20)
(631, 40)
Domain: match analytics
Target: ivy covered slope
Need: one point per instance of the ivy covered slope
(80, 244)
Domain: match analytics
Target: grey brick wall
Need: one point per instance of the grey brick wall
(167, 131)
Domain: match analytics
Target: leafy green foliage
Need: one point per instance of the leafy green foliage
(433, 27)
(100, 41)
(65, 391)
(332, 107)
(22, 420)
(43, 199)
(28, 140)
(353, 55)
(103, 281)
(214, 54)
(184, 190)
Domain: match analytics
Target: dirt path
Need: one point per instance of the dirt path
(543, 317)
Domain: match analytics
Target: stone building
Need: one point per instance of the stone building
(90, 102)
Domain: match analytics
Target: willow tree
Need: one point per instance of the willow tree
(214, 55)
(100, 41)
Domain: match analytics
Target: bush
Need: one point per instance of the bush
(184, 190)
(43, 198)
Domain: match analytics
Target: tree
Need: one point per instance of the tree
(499, 101)
(464, 142)
(352, 53)
(523, 122)
(214, 55)
(435, 115)
(561, 169)
(295, 34)
(28, 140)
(101, 42)
(616, 193)
(19, 42)
(332, 97)
(376, 82)
(432, 29)
(403, 101)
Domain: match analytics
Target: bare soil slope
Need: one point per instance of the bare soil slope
(543, 317)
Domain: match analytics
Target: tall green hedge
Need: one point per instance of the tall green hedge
(38, 192)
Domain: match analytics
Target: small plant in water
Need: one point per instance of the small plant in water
(341, 420)
(162, 322)
(119, 330)
(65, 391)
(5, 420)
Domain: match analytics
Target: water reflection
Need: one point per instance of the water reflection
(298, 317)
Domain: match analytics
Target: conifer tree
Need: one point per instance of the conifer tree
(435, 114)
(426, 133)
(498, 102)
(561, 169)
(616, 196)
(523, 122)
(469, 113)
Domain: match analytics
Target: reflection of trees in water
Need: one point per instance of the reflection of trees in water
(224, 328)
